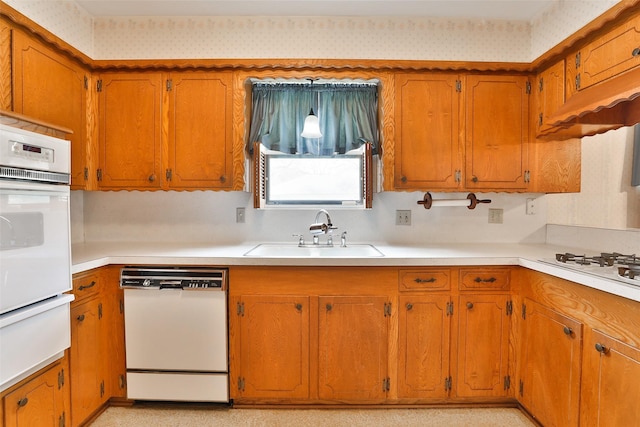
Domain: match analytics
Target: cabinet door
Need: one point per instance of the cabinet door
(609, 55)
(428, 147)
(42, 401)
(483, 340)
(353, 342)
(52, 88)
(113, 333)
(550, 94)
(129, 143)
(496, 132)
(86, 360)
(610, 386)
(270, 347)
(424, 339)
(550, 368)
(200, 116)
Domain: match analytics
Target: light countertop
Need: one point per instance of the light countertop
(86, 256)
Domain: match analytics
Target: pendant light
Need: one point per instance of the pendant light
(311, 128)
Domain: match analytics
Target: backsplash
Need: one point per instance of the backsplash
(207, 216)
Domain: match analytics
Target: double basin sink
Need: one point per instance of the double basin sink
(289, 250)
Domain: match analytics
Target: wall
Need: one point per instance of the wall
(209, 216)
(606, 199)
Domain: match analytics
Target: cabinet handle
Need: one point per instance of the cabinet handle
(409, 306)
(90, 285)
(80, 318)
(299, 307)
(636, 52)
(601, 348)
(469, 305)
(567, 331)
(22, 402)
(329, 307)
(429, 280)
(152, 178)
(481, 280)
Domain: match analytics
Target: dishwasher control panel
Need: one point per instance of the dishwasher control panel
(185, 278)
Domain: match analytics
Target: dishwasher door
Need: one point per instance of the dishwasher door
(176, 330)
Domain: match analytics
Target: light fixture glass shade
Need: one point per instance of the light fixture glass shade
(311, 127)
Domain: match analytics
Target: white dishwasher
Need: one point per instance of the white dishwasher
(176, 333)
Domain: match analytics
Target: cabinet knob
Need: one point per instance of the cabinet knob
(152, 178)
(474, 179)
(469, 305)
(223, 179)
(329, 307)
(567, 330)
(80, 318)
(22, 402)
(299, 307)
(601, 348)
(409, 306)
(636, 52)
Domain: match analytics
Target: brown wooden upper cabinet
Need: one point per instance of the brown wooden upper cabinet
(607, 56)
(549, 90)
(51, 87)
(165, 130)
(429, 148)
(458, 132)
(496, 132)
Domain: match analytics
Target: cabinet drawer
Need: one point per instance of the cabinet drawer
(485, 278)
(86, 285)
(432, 279)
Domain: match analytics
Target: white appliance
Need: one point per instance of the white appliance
(176, 333)
(35, 252)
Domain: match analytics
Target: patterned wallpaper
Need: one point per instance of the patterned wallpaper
(311, 37)
(64, 18)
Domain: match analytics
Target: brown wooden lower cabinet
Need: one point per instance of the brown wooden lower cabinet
(483, 345)
(383, 335)
(273, 357)
(549, 385)
(353, 348)
(97, 353)
(611, 382)
(41, 400)
(424, 331)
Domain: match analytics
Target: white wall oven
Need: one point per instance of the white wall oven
(35, 252)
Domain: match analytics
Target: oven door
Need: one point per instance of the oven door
(34, 243)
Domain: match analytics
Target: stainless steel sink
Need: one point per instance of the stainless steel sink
(288, 250)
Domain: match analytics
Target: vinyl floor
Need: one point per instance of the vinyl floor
(169, 416)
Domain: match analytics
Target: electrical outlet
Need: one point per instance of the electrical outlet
(403, 217)
(531, 207)
(240, 215)
(495, 216)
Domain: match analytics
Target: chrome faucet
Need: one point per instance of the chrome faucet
(318, 227)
